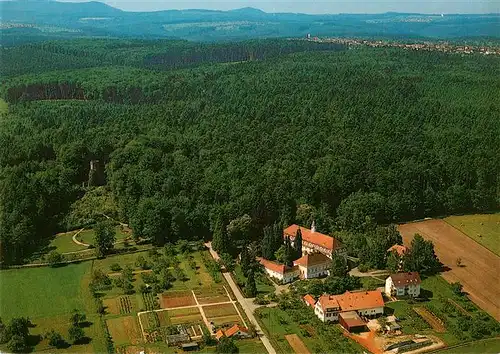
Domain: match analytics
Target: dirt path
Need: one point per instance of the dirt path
(480, 273)
(244, 304)
(134, 272)
(78, 242)
(296, 343)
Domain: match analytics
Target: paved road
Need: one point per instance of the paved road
(244, 303)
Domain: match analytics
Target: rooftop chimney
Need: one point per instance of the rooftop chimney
(313, 226)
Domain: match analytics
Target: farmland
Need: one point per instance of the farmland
(486, 346)
(478, 270)
(482, 228)
(47, 296)
(42, 292)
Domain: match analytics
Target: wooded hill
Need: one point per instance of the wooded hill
(385, 133)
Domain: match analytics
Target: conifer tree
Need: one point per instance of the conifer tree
(298, 244)
(250, 286)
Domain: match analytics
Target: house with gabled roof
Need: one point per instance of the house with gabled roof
(403, 284)
(281, 272)
(235, 331)
(313, 265)
(309, 300)
(364, 303)
(313, 241)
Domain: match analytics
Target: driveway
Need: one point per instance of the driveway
(247, 304)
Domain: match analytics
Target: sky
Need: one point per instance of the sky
(314, 6)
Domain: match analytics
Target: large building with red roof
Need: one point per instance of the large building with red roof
(278, 271)
(364, 303)
(313, 265)
(313, 241)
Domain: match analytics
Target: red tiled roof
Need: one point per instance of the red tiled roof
(403, 279)
(399, 249)
(279, 268)
(235, 329)
(309, 300)
(310, 260)
(219, 334)
(353, 301)
(316, 238)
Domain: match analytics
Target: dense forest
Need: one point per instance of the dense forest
(336, 136)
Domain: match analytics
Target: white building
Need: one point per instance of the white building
(403, 284)
(313, 241)
(313, 265)
(364, 303)
(280, 272)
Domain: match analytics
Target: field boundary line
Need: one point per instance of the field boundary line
(480, 244)
(464, 344)
(236, 307)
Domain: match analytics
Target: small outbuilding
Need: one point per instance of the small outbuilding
(351, 321)
(187, 347)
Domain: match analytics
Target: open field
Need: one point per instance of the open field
(173, 299)
(482, 228)
(486, 346)
(48, 296)
(41, 292)
(479, 274)
(124, 330)
(296, 343)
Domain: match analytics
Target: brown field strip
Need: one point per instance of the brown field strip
(184, 312)
(177, 299)
(219, 321)
(124, 330)
(187, 319)
(479, 274)
(431, 319)
(212, 299)
(296, 343)
(221, 310)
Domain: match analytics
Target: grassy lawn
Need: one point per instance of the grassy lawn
(87, 236)
(123, 260)
(42, 292)
(370, 283)
(482, 228)
(4, 106)
(64, 243)
(48, 296)
(264, 285)
(483, 346)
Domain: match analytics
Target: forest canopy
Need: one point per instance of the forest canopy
(387, 134)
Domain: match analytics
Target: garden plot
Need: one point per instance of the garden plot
(185, 315)
(174, 299)
(221, 310)
(124, 330)
(211, 295)
(435, 322)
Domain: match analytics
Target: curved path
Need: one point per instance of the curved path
(78, 242)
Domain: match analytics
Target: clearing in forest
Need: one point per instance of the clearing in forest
(482, 228)
(479, 270)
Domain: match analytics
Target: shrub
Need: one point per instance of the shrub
(115, 267)
(54, 258)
